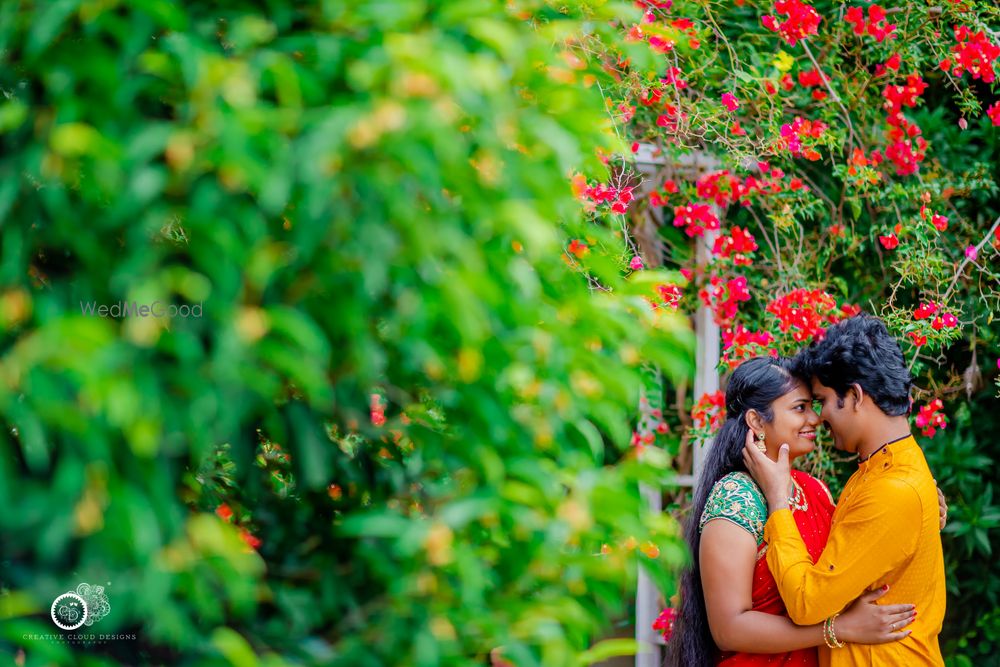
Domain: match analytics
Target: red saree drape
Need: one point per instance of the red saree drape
(814, 526)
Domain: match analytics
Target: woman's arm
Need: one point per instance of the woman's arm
(728, 555)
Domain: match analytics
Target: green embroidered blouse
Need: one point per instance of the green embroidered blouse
(738, 499)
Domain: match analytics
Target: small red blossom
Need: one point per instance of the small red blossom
(918, 340)
(889, 242)
(670, 295)
(993, 112)
(893, 62)
(578, 248)
(252, 542)
(377, 409)
(665, 623)
(224, 512)
(709, 412)
(636, 263)
(925, 310)
(730, 102)
(723, 298)
(802, 21)
(930, 418)
(836, 230)
(738, 245)
(695, 219)
(740, 344)
(875, 26)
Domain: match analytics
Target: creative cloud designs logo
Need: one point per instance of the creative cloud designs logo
(86, 606)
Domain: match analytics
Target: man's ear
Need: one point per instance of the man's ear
(858, 395)
(754, 421)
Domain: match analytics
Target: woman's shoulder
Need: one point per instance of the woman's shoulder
(738, 499)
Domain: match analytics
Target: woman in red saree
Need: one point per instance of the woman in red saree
(731, 613)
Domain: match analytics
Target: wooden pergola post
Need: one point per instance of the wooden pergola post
(706, 380)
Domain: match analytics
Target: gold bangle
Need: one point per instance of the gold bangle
(826, 634)
(833, 634)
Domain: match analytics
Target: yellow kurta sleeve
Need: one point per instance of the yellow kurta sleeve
(875, 531)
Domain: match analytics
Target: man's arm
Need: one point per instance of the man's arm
(873, 535)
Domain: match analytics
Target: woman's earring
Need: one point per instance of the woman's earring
(759, 442)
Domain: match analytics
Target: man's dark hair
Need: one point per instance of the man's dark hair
(859, 350)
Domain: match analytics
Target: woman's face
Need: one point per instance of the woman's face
(794, 423)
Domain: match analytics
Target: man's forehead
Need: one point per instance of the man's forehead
(818, 387)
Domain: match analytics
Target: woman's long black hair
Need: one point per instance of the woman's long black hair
(754, 385)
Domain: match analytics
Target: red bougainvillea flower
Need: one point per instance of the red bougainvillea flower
(224, 512)
(802, 21)
(636, 263)
(836, 230)
(738, 245)
(672, 77)
(893, 62)
(723, 298)
(730, 102)
(994, 113)
(930, 418)
(807, 313)
(578, 248)
(661, 44)
(888, 242)
(695, 219)
(918, 340)
(971, 253)
(670, 294)
(875, 26)
(740, 344)
(897, 97)
(709, 412)
(377, 410)
(974, 53)
(925, 310)
(664, 623)
(906, 148)
(251, 541)
(793, 133)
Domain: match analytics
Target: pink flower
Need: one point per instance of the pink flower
(665, 622)
(971, 252)
(994, 113)
(949, 320)
(636, 263)
(730, 102)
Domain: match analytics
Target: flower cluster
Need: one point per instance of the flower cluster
(659, 198)
(695, 219)
(816, 79)
(664, 623)
(906, 148)
(740, 344)
(723, 298)
(793, 133)
(974, 53)
(875, 25)
(802, 21)
(670, 295)
(619, 198)
(738, 245)
(861, 169)
(650, 424)
(807, 313)
(709, 412)
(930, 418)
(897, 97)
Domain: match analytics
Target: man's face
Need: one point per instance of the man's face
(835, 415)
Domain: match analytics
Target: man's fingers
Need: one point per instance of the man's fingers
(783, 454)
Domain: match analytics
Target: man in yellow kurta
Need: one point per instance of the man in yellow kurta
(885, 530)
